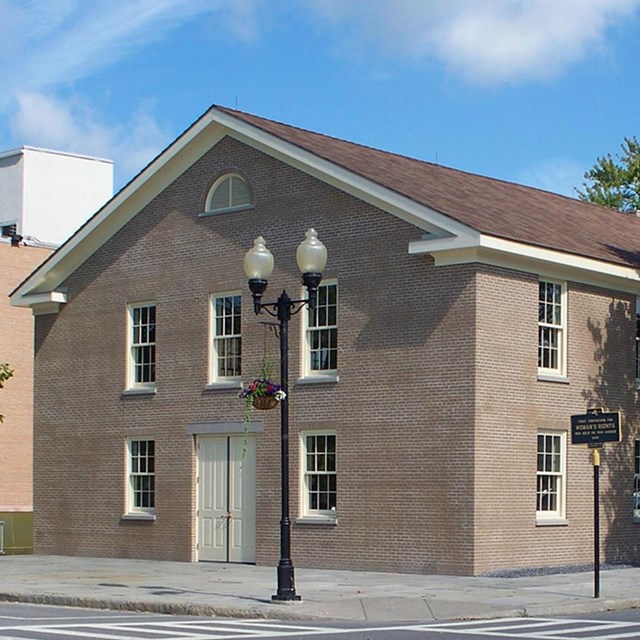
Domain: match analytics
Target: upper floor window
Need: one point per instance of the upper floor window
(319, 474)
(550, 494)
(141, 490)
(227, 342)
(322, 332)
(142, 345)
(231, 191)
(551, 328)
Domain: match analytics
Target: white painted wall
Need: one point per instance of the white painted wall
(10, 186)
(50, 193)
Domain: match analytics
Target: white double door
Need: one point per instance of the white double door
(227, 498)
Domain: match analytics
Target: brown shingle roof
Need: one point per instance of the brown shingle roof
(491, 206)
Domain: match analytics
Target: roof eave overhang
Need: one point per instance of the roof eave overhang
(120, 209)
(446, 239)
(41, 303)
(212, 127)
(545, 262)
(419, 215)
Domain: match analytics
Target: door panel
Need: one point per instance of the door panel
(212, 453)
(226, 498)
(242, 505)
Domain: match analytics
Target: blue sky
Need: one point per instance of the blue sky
(530, 91)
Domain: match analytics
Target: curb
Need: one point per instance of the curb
(171, 608)
(285, 612)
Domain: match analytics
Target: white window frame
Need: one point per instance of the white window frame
(636, 479)
(549, 473)
(132, 345)
(215, 377)
(329, 374)
(559, 329)
(307, 512)
(209, 209)
(134, 473)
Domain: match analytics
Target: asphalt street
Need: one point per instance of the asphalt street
(37, 622)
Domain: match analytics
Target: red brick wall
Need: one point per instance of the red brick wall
(16, 398)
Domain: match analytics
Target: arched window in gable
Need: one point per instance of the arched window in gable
(230, 191)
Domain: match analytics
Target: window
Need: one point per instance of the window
(319, 482)
(142, 354)
(636, 478)
(322, 332)
(551, 328)
(228, 192)
(226, 355)
(142, 479)
(551, 476)
(638, 342)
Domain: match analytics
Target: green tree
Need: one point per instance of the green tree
(5, 373)
(615, 182)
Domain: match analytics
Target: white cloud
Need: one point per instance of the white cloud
(48, 45)
(485, 41)
(242, 20)
(557, 175)
(139, 141)
(59, 41)
(73, 126)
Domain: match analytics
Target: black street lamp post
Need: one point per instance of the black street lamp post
(258, 265)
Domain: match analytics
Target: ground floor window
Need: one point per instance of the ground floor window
(550, 495)
(319, 483)
(141, 471)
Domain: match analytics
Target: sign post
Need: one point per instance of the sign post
(594, 429)
(596, 521)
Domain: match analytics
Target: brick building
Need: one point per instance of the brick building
(16, 401)
(462, 321)
(38, 210)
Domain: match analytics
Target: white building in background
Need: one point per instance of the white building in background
(45, 196)
(48, 194)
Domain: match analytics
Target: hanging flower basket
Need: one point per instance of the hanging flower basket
(264, 403)
(261, 394)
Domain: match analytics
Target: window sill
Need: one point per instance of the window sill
(222, 386)
(139, 391)
(321, 520)
(636, 518)
(551, 522)
(547, 377)
(240, 207)
(328, 379)
(143, 516)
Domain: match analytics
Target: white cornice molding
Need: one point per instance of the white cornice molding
(41, 303)
(178, 157)
(450, 242)
(204, 134)
(522, 257)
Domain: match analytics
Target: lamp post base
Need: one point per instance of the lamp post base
(286, 585)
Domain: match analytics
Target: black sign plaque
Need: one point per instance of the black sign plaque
(595, 428)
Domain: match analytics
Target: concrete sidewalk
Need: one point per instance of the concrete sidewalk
(245, 591)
